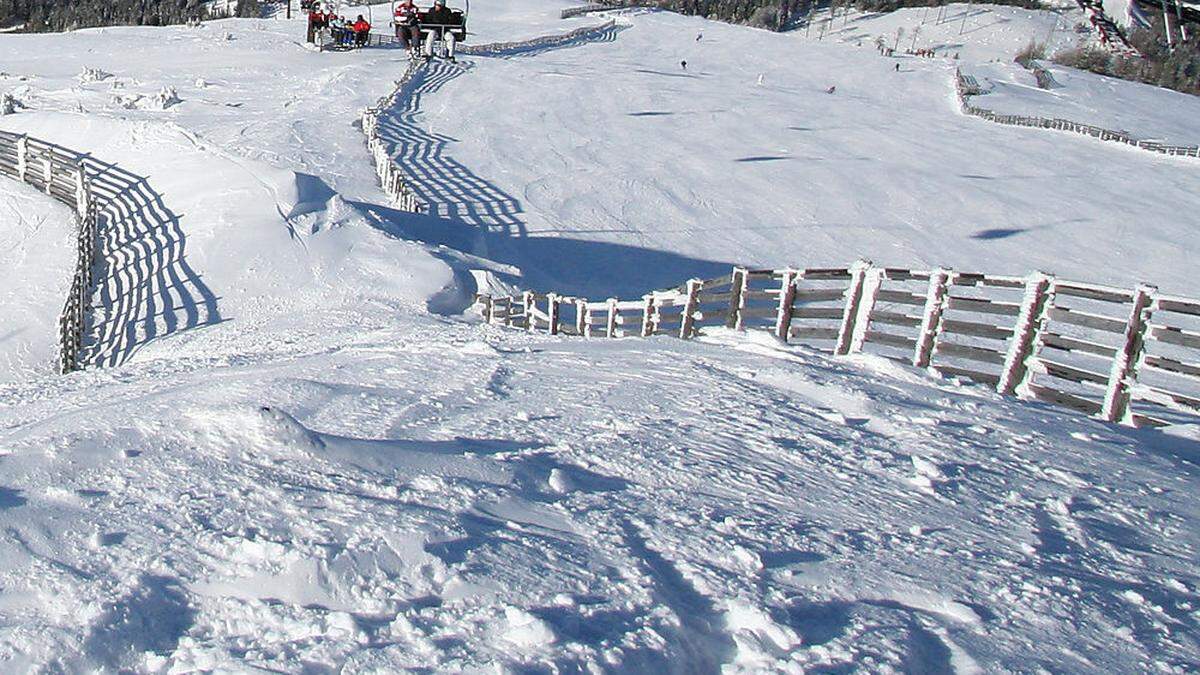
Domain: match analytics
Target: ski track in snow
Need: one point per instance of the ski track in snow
(332, 478)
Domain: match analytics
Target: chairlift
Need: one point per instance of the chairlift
(457, 26)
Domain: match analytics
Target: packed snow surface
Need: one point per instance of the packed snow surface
(289, 462)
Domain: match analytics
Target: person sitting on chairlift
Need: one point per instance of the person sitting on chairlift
(407, 30)
(437, 21)
(362, 31)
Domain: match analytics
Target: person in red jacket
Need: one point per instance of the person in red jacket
(362, 31)
(315, 19)
(407, 30)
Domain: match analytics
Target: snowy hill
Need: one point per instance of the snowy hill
(300, 456)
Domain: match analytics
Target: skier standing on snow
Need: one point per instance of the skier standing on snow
(315, 18)
(438, 19)
(406, 26)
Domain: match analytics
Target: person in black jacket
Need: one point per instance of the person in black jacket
(436, 25)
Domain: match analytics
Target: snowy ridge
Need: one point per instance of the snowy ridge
(1066, 343)
(965, 87)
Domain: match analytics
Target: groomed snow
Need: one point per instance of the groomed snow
(289, 463)
(36, 263)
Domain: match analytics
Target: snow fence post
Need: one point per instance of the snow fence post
(687, 322)
(583, 318)
(47, 171)
(486, 307)
(23, 158)
(1127, 358)
(858, 273)
(81, 192)
(787, 296)
(610, 326)
(1025, 334)
(528, 302)
(648, 321)
(931, 318)
(552, 309)
(873, 280)
(737, 291)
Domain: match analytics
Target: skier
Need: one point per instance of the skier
(897, 67)
(683, 64)
(831, 89)
(362, 30)
(435, 27)
(698, 36)
(406, 26)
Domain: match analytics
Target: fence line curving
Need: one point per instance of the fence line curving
(1130, 356)
(966, 86)
(391, 175)
(61, 174)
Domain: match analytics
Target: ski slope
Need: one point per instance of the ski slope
(685, 172)
(300, 457)
(1144, 111)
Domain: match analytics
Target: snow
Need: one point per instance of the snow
(1146, 112)
(300, 456)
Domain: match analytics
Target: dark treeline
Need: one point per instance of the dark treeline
(60, 15)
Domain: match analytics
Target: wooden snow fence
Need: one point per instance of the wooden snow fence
(60, 173)
(391, 176)
(1127, 356)
(966, 86)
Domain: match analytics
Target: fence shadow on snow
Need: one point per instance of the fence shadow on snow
(146, 289)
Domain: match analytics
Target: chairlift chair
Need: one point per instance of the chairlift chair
(457, 26)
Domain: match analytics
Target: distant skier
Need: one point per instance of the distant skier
(897, 67)
(683, 64)
(698, 36)
(831, 89)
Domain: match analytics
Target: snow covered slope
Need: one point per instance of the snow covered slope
(1144, 111)
(406, 493)
(292, 465)
(609, 169)
(36, 263)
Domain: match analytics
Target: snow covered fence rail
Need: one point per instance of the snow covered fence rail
(60, 174)
(497, 48)
(966, 87)
(391, 176)
(572, 12)
(1127, 356)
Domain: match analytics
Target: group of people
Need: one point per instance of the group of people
(341, 32)
(415, 29)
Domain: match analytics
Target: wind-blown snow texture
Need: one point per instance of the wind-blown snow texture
(290, 463)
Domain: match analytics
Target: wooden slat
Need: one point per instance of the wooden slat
(981, 354)
(976, 375)
(1171, 399)
(818, 312)
(703, 297)
(1072, 344)
(1180, 305)
(895, 319)
(1048, 395)
(759, 312)
(983, 306)
(898, 274)
(902, 297)
(825, 273)
(1092, 292)
(890, 339)
(975, 329)
(1173, 366)
(810, 333)
(1064, 371)
(1174, 336)
(994, 281)
(820, 295)
(1086, 319)
(762, 294)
